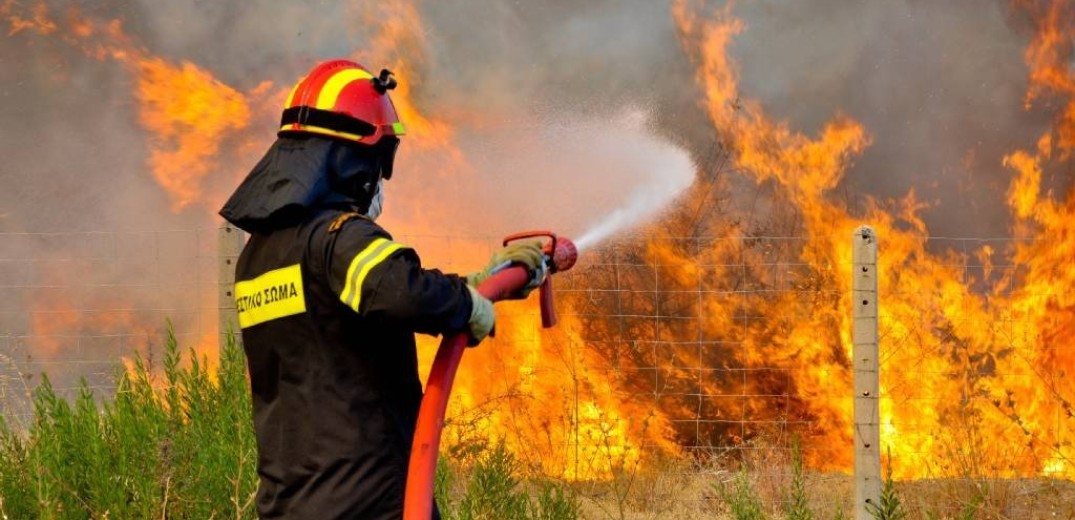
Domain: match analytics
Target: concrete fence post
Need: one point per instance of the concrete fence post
(229, 244)
(865, 365)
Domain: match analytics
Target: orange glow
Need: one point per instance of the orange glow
(546, 396)
(396, 40)
(552, 401)
(975, 380)
(37, 21)
(63, 330)
(1049, 57)
(189, 114)
(399, 44)
(970, 381)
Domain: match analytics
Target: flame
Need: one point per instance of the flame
(553, 401)
(193, 121)
(1043, 302)
(190, 116)
(38, 21)
(970, 381)
(544, 394)
(975, 380)
(430, 157)
(400, 44)
(1049, 57)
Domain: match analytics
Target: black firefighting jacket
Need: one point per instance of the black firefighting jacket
(328, 310)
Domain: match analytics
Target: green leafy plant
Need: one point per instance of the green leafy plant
(741, 498)
(495, 491)
(179, 443)
(890, 506)
(840, 515)
(797, 507)
(181, 446)
(970, 510)
(553, 502)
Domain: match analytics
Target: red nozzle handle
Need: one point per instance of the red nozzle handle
(560, 255)
(532, 234)
(549, 248)
(561, 252)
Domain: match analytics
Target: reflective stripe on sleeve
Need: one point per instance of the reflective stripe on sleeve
(364, 261)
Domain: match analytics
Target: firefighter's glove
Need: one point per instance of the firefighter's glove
(482, 317)
(528, 254)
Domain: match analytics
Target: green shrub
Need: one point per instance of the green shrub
(185, 450)
(553, 502)
(797, 506)
(890, 508)
(840, 515)
(741, 498)
(180, 444)
(494, 490)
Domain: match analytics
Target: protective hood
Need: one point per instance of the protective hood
(300, 176)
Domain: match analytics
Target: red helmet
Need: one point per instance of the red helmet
(340, 98)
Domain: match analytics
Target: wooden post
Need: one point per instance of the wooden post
(865, 364)
(229, 244)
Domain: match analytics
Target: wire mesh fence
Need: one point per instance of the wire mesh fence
(72, 305)
(720, 351)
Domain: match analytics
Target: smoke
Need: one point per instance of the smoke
(938, 86)
(535, 94)
(580, 117)
(74, 157)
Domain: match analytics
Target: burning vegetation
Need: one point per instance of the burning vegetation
(703, 330)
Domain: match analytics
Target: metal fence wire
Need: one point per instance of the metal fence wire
(737, 346)
(72, 305)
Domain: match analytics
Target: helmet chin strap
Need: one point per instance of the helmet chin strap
(377, 204)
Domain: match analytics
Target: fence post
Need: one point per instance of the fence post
(229, 244)
(865, 364)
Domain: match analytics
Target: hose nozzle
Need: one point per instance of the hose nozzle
(560, 255)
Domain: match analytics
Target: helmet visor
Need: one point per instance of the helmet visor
(386, 149)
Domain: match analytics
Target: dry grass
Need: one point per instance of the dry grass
(678, 491)
(150, 451)
(681, 490)
(995, 499)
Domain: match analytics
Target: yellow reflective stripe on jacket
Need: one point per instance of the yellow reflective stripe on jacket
(330, 91)
(273, 295)
(364, 261)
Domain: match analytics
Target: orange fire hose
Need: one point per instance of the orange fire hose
(560, 254)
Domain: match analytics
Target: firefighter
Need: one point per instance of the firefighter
(328, 304)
